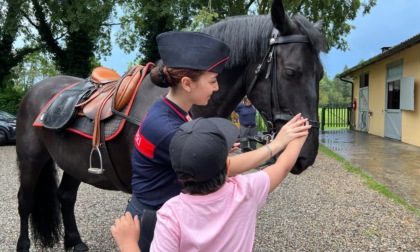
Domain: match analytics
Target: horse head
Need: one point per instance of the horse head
(275, 61)
(288, 78)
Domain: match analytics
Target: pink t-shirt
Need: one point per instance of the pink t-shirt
(221, 221)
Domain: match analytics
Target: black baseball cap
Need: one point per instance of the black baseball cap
(201, 146)
(192, 50)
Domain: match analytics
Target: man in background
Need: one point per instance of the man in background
(246, 113)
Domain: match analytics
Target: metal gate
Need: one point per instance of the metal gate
(335, 118)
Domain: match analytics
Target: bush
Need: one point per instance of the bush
(10, 98)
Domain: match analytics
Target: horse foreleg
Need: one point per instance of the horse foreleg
(67, 195)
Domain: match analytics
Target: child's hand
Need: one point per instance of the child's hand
(298, 127)
(126, 232)
(300, 141)
(235, 147)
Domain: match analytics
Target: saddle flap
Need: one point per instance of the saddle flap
(93, 108)
(101, 103)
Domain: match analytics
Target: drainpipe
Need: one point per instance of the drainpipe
(352, 98)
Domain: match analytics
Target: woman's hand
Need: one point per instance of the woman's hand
(295, 128)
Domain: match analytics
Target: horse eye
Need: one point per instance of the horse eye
(289, 72)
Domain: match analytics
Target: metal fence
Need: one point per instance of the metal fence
(335, 117)
(329, 118)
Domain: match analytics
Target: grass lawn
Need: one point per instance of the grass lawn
(369, 181)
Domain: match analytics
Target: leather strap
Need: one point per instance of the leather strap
(109, 170)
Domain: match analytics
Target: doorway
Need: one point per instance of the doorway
(392, 110)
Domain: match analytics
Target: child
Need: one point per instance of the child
(214, 212)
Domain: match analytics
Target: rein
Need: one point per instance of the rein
(271, 59)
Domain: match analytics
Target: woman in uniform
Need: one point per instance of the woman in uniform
(191, 62)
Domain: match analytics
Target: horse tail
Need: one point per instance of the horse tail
(46, 215)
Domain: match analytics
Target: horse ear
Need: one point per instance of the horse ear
(280, 19)
(318, 25)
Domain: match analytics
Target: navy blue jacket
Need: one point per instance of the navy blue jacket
(154, 181)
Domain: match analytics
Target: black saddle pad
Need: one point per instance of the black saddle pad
(84, 126)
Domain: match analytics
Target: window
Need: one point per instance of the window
(394, 94)
(394, 73)
(364, 80)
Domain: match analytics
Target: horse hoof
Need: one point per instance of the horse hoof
(81, 247)
(23, 245)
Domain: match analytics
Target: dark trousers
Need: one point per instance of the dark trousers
(147, 215)
(245, 132)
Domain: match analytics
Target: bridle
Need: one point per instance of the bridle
(276, 114)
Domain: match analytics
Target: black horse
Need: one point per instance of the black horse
(275, 61)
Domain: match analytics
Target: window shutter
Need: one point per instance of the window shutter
(407, 93)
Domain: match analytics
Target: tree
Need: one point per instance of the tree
(335, 16)
(71, 31)
(203, 18)
(334, 93)
(34, 68)
(10, 24)
(143, 20)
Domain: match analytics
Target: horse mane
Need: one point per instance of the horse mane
(248, 36)
(311, 31)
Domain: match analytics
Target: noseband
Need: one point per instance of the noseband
(271, 59)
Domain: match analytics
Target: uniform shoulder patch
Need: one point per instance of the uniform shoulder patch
(143, 145)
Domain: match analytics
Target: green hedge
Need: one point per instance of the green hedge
(10, 99)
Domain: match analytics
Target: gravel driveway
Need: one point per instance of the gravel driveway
(326, 208)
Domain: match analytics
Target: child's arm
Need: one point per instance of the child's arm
(250, 160)
(126, 232)
(279, 170)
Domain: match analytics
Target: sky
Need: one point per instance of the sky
(389, 23)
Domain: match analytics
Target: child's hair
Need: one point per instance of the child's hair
(191, 186)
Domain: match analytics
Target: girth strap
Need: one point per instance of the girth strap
(109, 170)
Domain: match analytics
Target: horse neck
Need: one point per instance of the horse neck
(223, 102)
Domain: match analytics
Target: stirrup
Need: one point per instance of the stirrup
(95, 170)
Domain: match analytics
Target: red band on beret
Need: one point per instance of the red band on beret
(218, 63)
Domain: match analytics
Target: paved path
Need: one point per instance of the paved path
(393, 164)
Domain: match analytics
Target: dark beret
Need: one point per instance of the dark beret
(192, 50)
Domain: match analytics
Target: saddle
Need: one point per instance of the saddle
(97, 98)
(99, 105)
(87, 107)
(109, 85)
